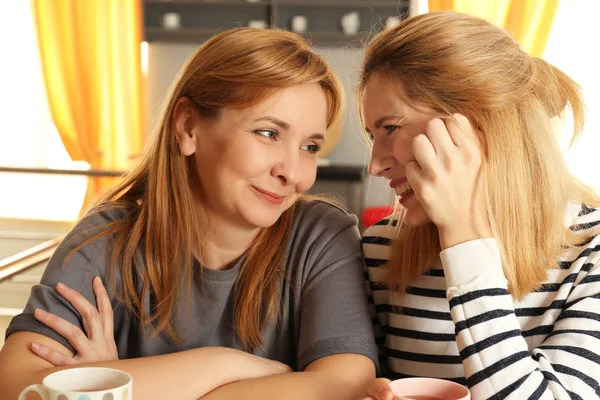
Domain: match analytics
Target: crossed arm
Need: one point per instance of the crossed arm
(209, 373)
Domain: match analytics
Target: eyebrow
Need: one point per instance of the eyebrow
(284, 125)
(280, 123)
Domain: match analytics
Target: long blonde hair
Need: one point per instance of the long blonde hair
(455, 63)
(238, 68)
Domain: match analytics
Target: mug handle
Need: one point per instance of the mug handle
(32, 388)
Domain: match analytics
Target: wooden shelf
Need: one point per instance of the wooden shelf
(200, 19)
(344, 173)
(178, 35)
(239, 3)
(201, 35)
(324, 38)
(344, 4)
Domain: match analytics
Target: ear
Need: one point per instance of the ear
(186, 121)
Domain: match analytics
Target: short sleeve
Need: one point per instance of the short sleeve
(76, 269)
(335, 316)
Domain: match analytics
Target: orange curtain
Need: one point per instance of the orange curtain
(91, 61)
(528, 21)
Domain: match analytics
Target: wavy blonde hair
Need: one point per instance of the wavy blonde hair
(450, 63)
(238, 68)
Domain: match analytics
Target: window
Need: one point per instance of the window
(28, 137)
(571, 48)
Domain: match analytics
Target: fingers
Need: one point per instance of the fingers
(460, 130)
(439, 136)
(91, 321)
(413, 175)
(52, 356)
(104, 306)
(379, 389)
(424, 154)
(464, 135)
(64, 328)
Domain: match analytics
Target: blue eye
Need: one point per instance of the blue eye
(267, 133)
(312, 148)
(390, 128)
(370, 137)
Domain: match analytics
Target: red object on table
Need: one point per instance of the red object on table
(372, 215)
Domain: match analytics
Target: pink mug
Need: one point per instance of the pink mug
(428, 389)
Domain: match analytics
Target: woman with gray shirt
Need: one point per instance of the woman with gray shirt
(206, 266)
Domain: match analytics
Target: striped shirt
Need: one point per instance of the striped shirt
(458, 321)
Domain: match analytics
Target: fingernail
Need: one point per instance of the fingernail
(62, 286)
(40, 313)
(35, 346)
(384, 393)
(97, 279)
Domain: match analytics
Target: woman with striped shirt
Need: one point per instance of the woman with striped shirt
(489, 272)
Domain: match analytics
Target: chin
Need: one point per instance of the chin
(262, 219)
(261, 215)
(416, 217)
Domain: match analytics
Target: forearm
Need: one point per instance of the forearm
(292, 386)
(185, 375)
(340, 377)
(496, 357)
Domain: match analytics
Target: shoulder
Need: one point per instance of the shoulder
(321, 216)
(84, 235)
(324, 243)
(586, 221)
(377, 239)
(384, 229)
(323, 230)
(85, 251)
(584, 218)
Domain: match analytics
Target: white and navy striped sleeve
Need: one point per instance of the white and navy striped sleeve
(497, 361)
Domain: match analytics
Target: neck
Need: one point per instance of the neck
(226, 244)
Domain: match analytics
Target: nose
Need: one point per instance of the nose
(382, 161)
(287, 169)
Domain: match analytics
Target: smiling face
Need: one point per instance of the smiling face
(391, 125)
(253, 163)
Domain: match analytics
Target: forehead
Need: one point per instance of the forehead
(381, 97)
(300, 105)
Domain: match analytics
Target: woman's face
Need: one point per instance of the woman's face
(253, 163)
(392, 125)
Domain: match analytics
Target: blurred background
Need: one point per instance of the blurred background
(82, 83)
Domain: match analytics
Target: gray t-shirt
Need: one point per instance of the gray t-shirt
(325, 309)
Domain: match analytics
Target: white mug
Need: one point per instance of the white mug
(88, 383)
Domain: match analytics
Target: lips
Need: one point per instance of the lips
(270, 197)
(271, 194)
(401, 186)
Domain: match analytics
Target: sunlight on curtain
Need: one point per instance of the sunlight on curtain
(528, 21)
(91, 60)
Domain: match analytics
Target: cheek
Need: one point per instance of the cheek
(402, 149)
(246, 161)
(309, 175)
